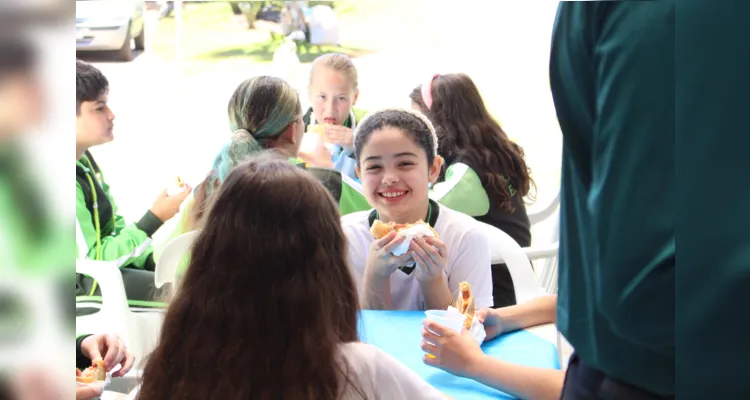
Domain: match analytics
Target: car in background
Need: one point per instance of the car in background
(107, 25)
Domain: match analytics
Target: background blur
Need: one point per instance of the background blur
(170, 106)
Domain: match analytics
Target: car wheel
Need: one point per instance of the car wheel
(140, 40)
(126, 51)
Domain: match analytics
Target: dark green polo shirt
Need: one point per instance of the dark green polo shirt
(612, 74)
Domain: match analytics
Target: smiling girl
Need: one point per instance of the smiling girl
(396, 152)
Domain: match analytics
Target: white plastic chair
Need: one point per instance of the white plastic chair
(546, 212)
(139, 331)
(505, 250)
(324, 26)
(548, 252)
(548, 273)
(171, 256)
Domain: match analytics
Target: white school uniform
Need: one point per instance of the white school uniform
(468, 258)
(376, 374)
(380, 376)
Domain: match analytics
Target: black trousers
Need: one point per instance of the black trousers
(585, 383)
(503, 292)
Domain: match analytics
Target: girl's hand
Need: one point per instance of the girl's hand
(380, 262)
(493, 324)
(320, 157)
(88, 392)
(113, 350)
(339, 135)
(456, 353)
(431, 257)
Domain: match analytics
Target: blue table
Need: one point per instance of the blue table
(399, 333)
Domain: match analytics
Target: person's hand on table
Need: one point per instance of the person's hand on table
(453, 352)
(492, 323)
(115, 352)
(498, 321)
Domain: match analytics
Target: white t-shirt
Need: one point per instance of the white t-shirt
(468, 258)
(380, 376)
(377, 375)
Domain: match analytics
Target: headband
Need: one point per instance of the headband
(427, 91)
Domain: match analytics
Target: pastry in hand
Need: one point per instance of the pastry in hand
(380, 228)
(465, 303)
(96, 372)
(317, 129)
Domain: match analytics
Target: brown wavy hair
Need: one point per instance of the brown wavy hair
(467, 133)
(267, 298)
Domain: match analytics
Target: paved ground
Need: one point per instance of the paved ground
(169, 124)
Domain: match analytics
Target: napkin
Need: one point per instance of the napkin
(418, 230)
(477, 329)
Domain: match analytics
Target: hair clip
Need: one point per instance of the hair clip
(427, 91)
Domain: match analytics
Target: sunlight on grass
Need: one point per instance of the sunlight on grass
(205, 28)
(212, 34)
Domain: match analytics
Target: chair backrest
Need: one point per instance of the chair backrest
(543, 214)
(505, 250)
(548, 273)
(114, 314)
(139, 330)
(174, 252)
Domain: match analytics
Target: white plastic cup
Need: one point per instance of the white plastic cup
(450, 320)
(310, 141)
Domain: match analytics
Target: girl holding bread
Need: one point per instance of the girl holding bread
(396, 153)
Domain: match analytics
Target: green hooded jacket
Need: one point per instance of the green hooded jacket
(105, 235)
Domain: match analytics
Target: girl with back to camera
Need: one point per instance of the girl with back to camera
(485, 174)
(265, 113)
(397, 159)
(268, 307)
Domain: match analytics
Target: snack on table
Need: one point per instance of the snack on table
(465, 303)
(380, 228)
(96, 372)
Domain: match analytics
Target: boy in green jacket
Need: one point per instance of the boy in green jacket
(104, 235)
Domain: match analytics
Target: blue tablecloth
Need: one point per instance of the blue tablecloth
(399, 333)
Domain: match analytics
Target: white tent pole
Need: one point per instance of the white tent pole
(178, 34)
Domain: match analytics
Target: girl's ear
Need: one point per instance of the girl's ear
(356, 169)
(434, 170)
(356, 96)
(289, 134)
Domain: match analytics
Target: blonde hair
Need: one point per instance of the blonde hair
(337, 62)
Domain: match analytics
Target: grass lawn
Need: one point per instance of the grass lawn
(211, 34)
